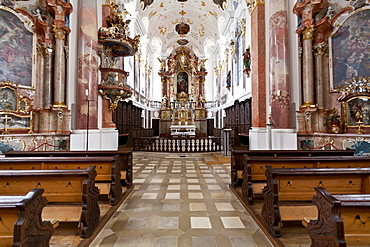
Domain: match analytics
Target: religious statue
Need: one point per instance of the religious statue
(247, 62)
(335, 122)
(228, 80)
(357, 113)
(202, 101)
(164, 102)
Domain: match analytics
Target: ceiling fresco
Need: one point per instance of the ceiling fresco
(198, 19)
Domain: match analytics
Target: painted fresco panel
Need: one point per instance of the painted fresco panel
(351, 49)
(15, 50)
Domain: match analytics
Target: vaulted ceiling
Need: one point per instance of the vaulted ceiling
(202, 16)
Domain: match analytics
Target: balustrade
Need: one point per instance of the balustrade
(152, 144)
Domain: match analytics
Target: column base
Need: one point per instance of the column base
(99, 140)
(258, 138)
(281, 139)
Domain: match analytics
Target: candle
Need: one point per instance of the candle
(87, 92)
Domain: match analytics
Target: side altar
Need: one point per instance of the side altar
(335, 75)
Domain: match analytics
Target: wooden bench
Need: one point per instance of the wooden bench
(342, 219)
(237, 158)
(71, 194)
(289, 191)
(254, 178)
(108, 169)
(124, 160)
(21, 222)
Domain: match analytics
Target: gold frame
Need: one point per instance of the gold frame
(346, 112)
(23, 108)
(29, 26)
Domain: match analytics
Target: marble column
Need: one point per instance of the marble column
(87, 85)
(258, 70)
(40, 77)
(48, 75)
(308, 67)
(59, 67)
(107, 116)
(319, 71)
(279, 65)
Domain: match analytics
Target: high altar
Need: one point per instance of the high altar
(183, 102)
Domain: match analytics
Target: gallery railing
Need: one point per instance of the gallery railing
(188, 145)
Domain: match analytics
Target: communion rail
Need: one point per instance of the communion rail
(153, 144)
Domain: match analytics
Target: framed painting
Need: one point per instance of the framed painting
(350, 49)
(182, 82)
(358, 109)
(16, 47)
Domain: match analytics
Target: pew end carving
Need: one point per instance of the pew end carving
(342, 219)
(28, 229)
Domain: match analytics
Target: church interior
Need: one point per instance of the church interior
(185, 122)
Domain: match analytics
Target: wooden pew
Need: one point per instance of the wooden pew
(237, 158)
(124, 160)
(21, 223)
(71, 194)
(254, 178)
(289, 191)
(342, 219)
(108, 172)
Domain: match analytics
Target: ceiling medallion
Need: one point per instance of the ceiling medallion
(145, 3)
(182, 28)
(182, 42)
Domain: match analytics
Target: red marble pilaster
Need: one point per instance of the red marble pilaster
(258, 70)
(279, 65)
(87, 65)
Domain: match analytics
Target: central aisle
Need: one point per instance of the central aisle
(179, 200)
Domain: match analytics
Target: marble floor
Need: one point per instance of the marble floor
(179, 200)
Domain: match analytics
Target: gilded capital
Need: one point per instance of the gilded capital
(309, 32)
(320, 49)
(40, 51)
(252, 4)
(59, 32)
(49, 48)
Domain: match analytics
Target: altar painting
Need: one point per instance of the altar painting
(15, 50)
(350, 49)
(182, 82)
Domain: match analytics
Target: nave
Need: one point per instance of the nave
(179, 200)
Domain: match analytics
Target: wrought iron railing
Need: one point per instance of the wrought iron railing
(186, 145)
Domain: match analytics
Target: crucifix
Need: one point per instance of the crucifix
(6, 118)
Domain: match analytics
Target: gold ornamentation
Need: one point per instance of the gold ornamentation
(252, 4)
(187, 21)
(320, 49)
(309, 32)
(59, 32)
(59, 104)
(201, 30)
(49, 49)
(162, 30)
(242, 27)
(300, 53)
(40, 51)
(308, 104)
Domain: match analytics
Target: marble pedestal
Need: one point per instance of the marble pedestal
(177, 130)
(275, 139)
(101, 139)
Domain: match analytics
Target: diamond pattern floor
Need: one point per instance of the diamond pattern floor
(179, 200)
